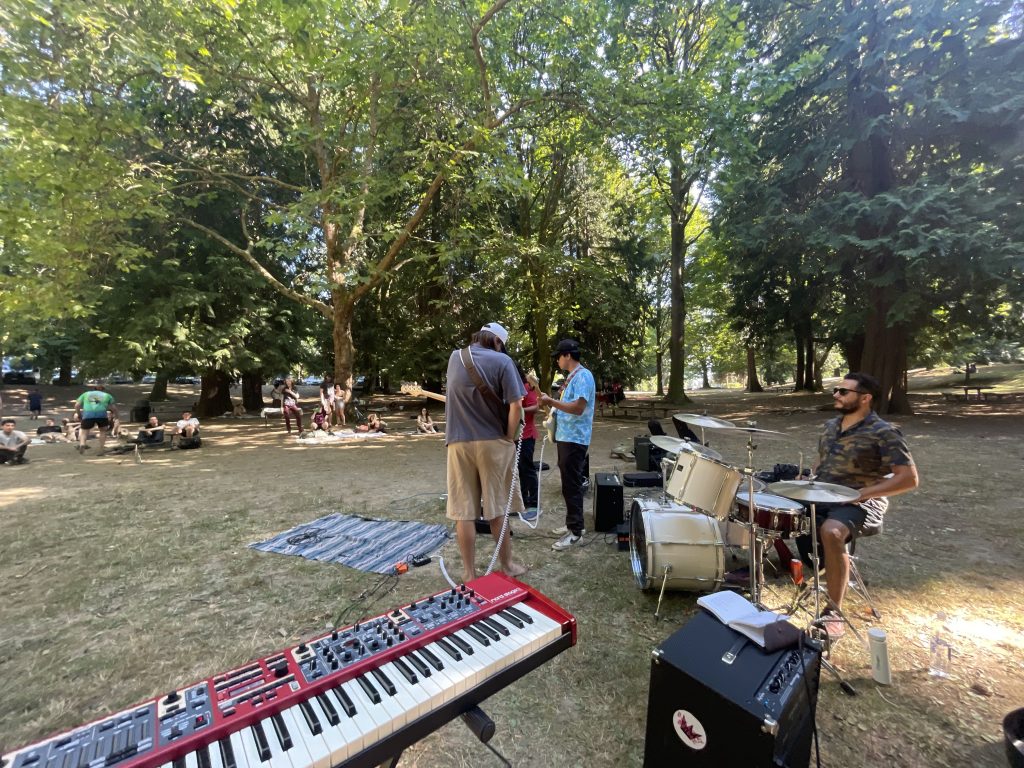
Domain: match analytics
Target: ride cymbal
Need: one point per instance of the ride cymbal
(814, 491)
(699, 420)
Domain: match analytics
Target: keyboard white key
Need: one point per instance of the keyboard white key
(340, 739)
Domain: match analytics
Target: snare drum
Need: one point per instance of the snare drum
(704, 483)
(687, 543)
(774, 514)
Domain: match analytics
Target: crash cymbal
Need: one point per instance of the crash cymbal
(699, 420)
(814, 491)
(675, 445)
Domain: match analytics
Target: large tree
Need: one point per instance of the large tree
(886, 160)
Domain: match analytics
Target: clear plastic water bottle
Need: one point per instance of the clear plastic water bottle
(941, 658)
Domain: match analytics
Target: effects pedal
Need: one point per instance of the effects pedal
(418, 560)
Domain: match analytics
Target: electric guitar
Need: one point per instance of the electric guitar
(551, 424)
(414, 389)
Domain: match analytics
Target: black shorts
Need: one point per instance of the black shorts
(103, 423)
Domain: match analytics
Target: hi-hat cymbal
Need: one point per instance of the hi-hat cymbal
(814, 491)
(699, 420)
(674, 445)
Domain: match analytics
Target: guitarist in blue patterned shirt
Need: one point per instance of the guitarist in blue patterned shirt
(574, 420)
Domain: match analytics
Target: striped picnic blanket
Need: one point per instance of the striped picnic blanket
(358, 542)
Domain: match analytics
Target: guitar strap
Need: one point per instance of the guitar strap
(501, 410)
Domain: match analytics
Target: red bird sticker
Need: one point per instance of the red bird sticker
(689, 729)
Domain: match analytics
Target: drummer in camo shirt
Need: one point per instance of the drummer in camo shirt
(860, 451)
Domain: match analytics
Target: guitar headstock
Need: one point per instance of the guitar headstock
(412, 388)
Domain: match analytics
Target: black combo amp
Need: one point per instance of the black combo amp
(608, 501)
(648, 455)
(718, 699)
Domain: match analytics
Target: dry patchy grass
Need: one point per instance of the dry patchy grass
(120, 581)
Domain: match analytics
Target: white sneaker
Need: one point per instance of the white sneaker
(568, 541)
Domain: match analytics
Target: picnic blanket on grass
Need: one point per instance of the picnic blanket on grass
(358, 542)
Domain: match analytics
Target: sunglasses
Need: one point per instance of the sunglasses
(845, 391)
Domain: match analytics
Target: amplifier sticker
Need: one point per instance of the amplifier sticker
(689, 729)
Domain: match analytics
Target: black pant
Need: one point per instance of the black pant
(573, 464)
(15, 456)
(528, 472)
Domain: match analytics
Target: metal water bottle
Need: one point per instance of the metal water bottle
(879, 656)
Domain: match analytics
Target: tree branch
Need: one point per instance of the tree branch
(246, 254)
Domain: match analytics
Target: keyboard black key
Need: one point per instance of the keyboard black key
(462, 645)
(347, 705)
(520, 615)
(493, 622)
(487, 629)
(179, 763)
(432, 660)
(450, 649)
(332, 714)
(260, 737)
(385, 682)
(203, 757)
(281, 731)
(312, 721)
(227, 754)
(477, 635)
(418, 664)
(371, 693)
(516, 622)
(405, 670)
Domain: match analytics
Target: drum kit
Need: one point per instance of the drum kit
(678, 540)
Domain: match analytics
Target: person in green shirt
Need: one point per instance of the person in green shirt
(95, 408)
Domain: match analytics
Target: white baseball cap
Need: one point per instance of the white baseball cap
(498, 330)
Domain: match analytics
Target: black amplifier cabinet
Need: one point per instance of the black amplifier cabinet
(608, 501)
(703, 710)
(648, 455)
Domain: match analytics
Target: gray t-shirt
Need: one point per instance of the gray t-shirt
(468, 414)
(12, 440)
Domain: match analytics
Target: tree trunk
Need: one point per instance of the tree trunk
(885, 358)
(677, 284)
(252, 391)
(705, 380)
(214, 396)
(753, 384)
(811, 371)
(798, 379)
(341, 336)
(159, 391)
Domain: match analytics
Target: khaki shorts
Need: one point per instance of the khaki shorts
(481, 469)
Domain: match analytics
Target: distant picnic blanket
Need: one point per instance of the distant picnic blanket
(358, 542)
(319, 437)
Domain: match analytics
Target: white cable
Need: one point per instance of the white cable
(536, 521)
(508, 506)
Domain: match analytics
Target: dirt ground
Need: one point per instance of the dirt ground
(119, 581)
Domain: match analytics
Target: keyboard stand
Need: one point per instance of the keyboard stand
(481, 726)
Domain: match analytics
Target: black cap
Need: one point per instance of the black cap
(566, 347)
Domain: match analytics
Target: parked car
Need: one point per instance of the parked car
(149, 378)
(120, 378)
(359, 382)
(186, 380)
(311, 381)
(20, 377)
(75, 376)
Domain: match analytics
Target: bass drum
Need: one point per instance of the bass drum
(674, 537)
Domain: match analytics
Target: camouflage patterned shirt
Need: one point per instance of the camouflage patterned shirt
(861, 456)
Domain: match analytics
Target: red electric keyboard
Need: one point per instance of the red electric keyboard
(354, 697)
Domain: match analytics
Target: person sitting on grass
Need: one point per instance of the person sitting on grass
(70, 430)
(13, 444)
(186, 430)
(151, 434)
(373, 424)
(50, 432)
(424, 423)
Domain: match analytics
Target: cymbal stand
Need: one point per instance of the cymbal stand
(756, 566)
